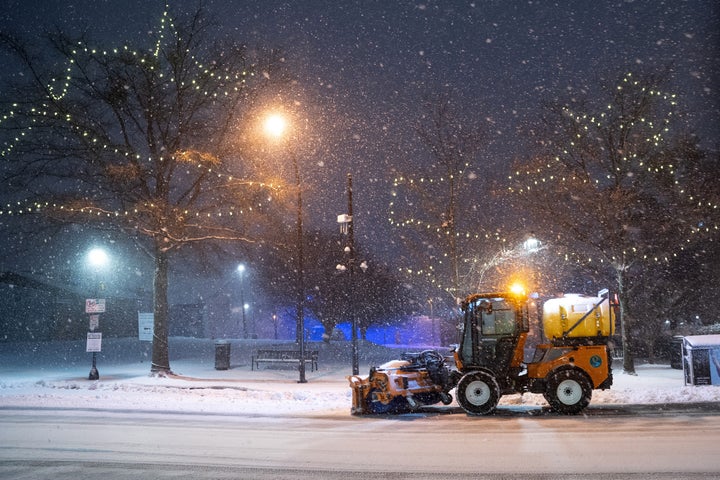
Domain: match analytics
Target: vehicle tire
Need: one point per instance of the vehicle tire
(568, 391)
(478, 393)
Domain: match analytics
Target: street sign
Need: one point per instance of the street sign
(94, 342)
(146, 326)
(95, 305)
(94, 322)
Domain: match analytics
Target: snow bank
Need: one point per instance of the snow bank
(653, 384)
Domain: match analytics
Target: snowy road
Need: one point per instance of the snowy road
(78, 444)
(248, 424)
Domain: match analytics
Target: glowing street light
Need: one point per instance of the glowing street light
(97, 258)
(275, 126)
(532, 244)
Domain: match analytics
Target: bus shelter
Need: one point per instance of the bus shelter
(701, 359)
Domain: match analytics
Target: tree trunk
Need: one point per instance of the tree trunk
(160, 356)
(625, 324)
(628, 356)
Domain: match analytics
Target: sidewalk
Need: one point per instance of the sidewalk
(123, 359)
(265, 377)
(195, 388)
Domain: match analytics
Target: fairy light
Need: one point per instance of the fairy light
(525, 182)
(58, 87)
(199, 164)
(431, 273)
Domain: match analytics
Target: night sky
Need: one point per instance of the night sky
(362, 67)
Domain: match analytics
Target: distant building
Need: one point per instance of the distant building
(31, 310)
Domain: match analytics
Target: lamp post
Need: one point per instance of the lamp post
(351, 270)
(241, 271)
(97, 258)
(346, 226)
(275, 126)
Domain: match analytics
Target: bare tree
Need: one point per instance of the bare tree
(609, 187)
(377, 296)
(136, 140)
(438, 203)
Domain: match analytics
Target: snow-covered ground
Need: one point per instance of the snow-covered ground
(54, 375)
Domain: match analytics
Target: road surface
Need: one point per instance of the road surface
(605, 443)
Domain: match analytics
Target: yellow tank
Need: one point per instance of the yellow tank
(561, 314)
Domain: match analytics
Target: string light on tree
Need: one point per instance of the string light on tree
(121, 127)
(625, 166)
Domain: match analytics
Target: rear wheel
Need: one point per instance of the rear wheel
(478, 393)
(568, 391)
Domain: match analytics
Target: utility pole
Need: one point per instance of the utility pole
(351, 269)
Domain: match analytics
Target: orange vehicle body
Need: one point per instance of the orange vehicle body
(490, 361)
(591, 359)
(401, 385)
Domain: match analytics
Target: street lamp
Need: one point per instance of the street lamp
(241, 271)
(346, 227)
(275, 126)
(97, 259)
(532, 244)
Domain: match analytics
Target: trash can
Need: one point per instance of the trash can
(222, 355)
(676, 355)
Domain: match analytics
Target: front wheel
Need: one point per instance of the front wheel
(568, 391)
(478, 393)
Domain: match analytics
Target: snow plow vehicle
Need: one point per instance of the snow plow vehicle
(489, 360)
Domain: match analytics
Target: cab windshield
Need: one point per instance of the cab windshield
(492, 316)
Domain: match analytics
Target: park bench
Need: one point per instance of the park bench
(283, 356)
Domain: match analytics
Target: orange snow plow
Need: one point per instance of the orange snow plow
(403, 385)
(489, 360)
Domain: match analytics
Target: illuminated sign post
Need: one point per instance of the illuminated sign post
(94, 307)
(94, 342)
(146, 326)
